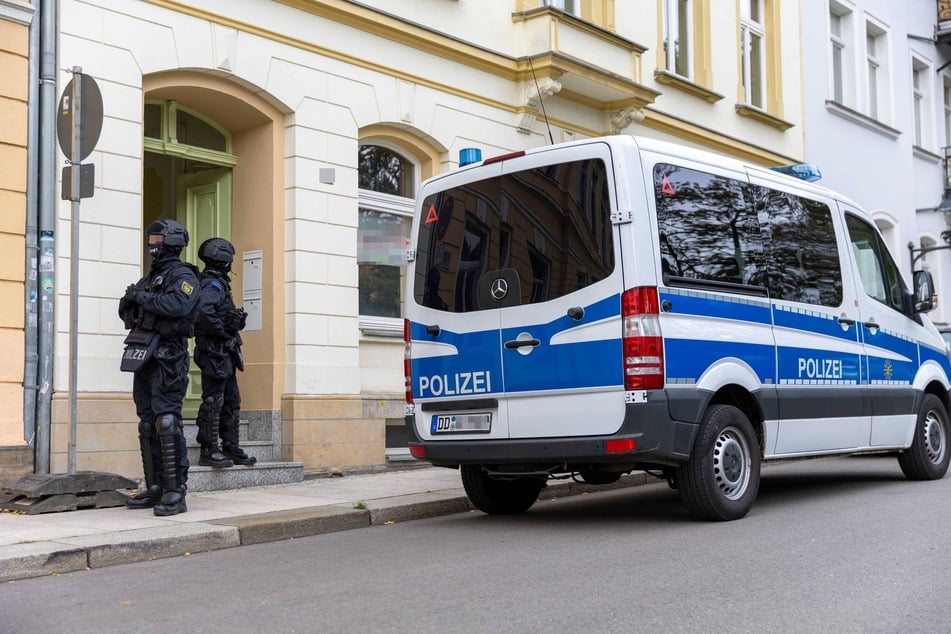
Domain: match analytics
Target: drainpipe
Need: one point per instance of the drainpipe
(47, 226)
(29, 291)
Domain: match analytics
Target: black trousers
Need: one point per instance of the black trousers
(211, 385)
(159, 388)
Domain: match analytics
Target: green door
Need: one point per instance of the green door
(204, 207)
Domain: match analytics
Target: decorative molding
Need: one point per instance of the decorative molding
(623, 117)
(863, 120)
(16, 11)
(682, 83)
(762, 116)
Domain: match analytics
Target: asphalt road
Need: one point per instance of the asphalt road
(844, 545)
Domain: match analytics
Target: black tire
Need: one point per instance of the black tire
(928, 456)
(499, 497)
(720, 480)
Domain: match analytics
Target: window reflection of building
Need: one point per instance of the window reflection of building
(550, 224)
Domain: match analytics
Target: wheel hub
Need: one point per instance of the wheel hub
(731, 464)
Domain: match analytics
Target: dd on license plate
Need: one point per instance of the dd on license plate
(455, 423)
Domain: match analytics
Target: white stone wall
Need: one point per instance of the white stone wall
(328, 99)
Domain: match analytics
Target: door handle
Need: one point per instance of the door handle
(871, 325)
(846, 321)
(515, 343)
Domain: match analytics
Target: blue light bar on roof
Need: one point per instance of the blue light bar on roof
(802, 171)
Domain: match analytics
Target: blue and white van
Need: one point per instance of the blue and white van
(621, 303)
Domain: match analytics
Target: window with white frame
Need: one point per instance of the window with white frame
(877, 76)
(678, 35)
(753, 52)
(921, 102)
(568, 6)
(387, 183)
(841, 50)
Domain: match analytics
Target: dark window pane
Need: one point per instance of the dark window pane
(803, 255)
(380, 250)
(153, 121)
(551, 225)
(191, 130)
(385, 171)
(708, 231)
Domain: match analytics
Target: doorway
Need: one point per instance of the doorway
(187, 175)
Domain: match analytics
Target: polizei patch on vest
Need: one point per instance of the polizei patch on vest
(187, 288)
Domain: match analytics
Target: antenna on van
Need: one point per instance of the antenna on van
(541, 101)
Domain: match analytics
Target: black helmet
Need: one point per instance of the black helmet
(175, 235)
(217, 253)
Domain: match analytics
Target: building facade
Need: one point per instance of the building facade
(15, 20)
(300, 129)
(877, 121)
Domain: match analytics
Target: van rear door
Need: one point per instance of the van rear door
(561, 335)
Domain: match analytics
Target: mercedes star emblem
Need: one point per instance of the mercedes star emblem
(500, 288)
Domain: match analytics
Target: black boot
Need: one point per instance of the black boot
(153, 487)
(207, 421)
(173, 499)
(145, 499)
(238, 455)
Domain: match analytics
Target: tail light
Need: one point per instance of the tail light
(407, 363)
(642, 341)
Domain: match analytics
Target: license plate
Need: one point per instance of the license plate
(450, 423)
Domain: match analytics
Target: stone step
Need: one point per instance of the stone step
(211, 479)
(191, 431)
(260, 449)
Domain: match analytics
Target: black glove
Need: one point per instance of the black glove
(135, 294)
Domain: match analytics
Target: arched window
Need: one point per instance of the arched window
(387, 182)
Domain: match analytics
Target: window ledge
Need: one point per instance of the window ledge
(863, 120)
(762, 116)
(389, 327)
(925, 154)
(682, 83)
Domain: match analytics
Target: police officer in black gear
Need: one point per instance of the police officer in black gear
(218, 355)
(164, 302)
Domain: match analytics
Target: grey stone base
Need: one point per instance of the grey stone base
(211, 479)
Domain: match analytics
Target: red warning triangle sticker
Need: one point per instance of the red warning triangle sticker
(431, 215)
(666, 187)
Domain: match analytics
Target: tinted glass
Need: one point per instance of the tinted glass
(880, 275)
(803, 263)
(708, 230)
(550, 225)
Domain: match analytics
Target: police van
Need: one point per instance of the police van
(620, 303)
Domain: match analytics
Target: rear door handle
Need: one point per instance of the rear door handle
(515, 343)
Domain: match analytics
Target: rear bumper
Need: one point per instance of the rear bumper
(660, 440)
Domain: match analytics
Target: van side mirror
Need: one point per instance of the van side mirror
(924, 297)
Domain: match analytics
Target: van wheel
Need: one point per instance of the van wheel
(928, 456)
(499, 497)
(720, 480)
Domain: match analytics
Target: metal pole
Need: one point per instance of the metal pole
(47, 226)
(75, 160)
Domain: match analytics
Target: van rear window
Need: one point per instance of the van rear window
(547, 229)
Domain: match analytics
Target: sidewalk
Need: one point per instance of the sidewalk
(37, 545)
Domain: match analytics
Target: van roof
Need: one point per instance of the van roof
(689, 153)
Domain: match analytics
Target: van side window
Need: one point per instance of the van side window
(708, 230)
(880, 275)
(551, 224)
(803, 258)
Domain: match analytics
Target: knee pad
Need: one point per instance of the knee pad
(165, 424)
(145, 428)
(214, 400)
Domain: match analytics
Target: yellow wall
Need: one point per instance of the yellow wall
(14, 44)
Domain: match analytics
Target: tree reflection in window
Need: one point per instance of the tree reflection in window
(708, 231)
(382, 170)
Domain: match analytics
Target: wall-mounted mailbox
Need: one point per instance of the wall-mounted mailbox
(253, 280)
